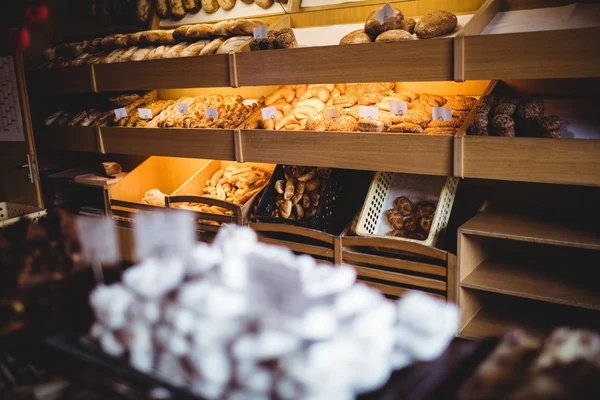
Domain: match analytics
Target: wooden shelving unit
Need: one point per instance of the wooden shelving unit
(67, 80)
(70, 138)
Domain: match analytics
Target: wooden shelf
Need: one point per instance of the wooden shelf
(535, 279)
(49, 81)
(70, 138)
(394, 152)
(215, 144)
(530, 227)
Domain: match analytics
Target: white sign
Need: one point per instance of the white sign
(98, 239)
(269, 112)
(120, 112)
(368, 112)
(384, 13)
(211, 112)
(161, 234)
(333, 113)
(260, 32)
(145, 113)
(398, 107)
(441, 114)
(182, 108)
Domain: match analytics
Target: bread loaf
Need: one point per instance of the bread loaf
(395, 35)
(246, 27)
(285, 39)
(162, 9)
(157, 53)
(127, 54)
(166, 37)
(135, 39)
(210, 6)
(112, 57)
(408, 24)
(142, 53)
(177, 9)
(150, 37)
(194, 49)
(192, 6)
(262, 44)
(223, 28)
(142, 10)
(373, 28)
(211, 47)
(226, 4)
(107, 42)
(436, 24)
(179, 34)
(264, 4)
(176, 50)
(199, 31)
(356, 37)
(231, 45)
(121, 40)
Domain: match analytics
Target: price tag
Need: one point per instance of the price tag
(161, 234)
(368, 112)
(269, 112)
(98, 239)
(333, 113)
(384, 13)
(211, 112)
(441, 113)
(145, 113)
(398, 108)
(182, 108)
(120, 112)
(260, 32)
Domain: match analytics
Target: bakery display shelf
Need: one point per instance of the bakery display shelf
(534, 279)
(393, 152)
(523, 42)
(69, 138)
(193, 143)
(52, 81)
(496, 314)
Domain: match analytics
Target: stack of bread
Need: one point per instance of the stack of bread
(185, 41)
(336, 107)
(396, 28)
(177, 9)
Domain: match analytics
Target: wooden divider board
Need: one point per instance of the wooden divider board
(61, 80)
(70, 138)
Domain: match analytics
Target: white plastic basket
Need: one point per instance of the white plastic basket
(387, 186)
(11, 212)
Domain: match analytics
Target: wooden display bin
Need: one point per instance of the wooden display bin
(527, 44)
(50, 81)
(166, 174)
(572, 161)
(526, 269)
(70, 138)
(192, 191)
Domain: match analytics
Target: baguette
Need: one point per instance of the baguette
(194, 49)
(157, 53)
(150, 37)
(223, 28)
(142, 54)
(179, 33)
(135, 39)
(176, 50)
(231, 45)
(166, 37)
(112, 57)
(121, 40)
(107, 42)
(126, 55)
(199, 31)
(212, 47)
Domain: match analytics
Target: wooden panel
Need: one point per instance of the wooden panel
(529, 227)
(299, 247)
(61, 80)
(400, 278)
(472, 250)
(390, 262)
(394, 152)
(566, 161)
(294, 230)
(72, 138)
(196, 143)
(391, 244)
(535, 279)
(395, 290)
(533, 55)
(370, 62)
(189, 72)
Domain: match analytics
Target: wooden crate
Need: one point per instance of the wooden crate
(166, 174)
(69, 138)
(539, 263)
(565, 53)
(526, 159)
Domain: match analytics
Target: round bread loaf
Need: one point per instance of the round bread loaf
(373, 28)
(408, 24)
(356, 37)
(503, 125)
(506, 109)
(210, 6)
(531, 110)
(192, 6)
(264, 4)
(436, 24)
(285, 39)
(551, 126)
(226, 4)
(395, 35)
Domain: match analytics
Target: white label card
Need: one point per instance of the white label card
(211, 112)
(441, 114)
(260, 32)
(161, 234)
(269, 112)
(120, 112)
(368, 112)
(145, 113)
(182, 108)
(98, 239)
(398, 108)
(384, 13)
(333, 113)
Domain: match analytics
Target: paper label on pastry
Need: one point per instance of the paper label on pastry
(182, 108)
(385, 12)
(98, 240)
(333, 113)
(269, 112)
(145, 113)
(120, 112)
(398, 107)
(441, 113)
(260, 32)
(368, 112)
(211, 112)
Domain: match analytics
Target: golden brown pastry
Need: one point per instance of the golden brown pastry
(403, 205)
(264, 4)
(460, 103)
(177, 9)
(395, 219)
(210, 6)
(162, 9)
(424, 208)
(373, 28)
(440, 131)
(356, 37)
(406, 127)
(394, 35)
(211, 47)
(440, 124)
(226, 4)
(192, 6)
(370, 125)
(345, 123)
(436, 24)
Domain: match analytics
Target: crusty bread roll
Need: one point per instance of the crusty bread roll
(285, 39)
(126, 55)
(192, 6)
(194, 49)
(177, 9)
(226, 4)
(356, 37)
(212, 47)
(395, 35)
(373, 28)
(210, 6)
(199, 31)
(436, 24)
(112, 57)
(157, 53)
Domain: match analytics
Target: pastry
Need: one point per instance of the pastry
(440, 124)
(531, 111)
(226, 4)
(460, 103)
(503, 125)
(345, 123)
(194, 49)
(177, 9)
(192, 6)
(211, 47)
(346, 101)
(406, 127)
(264, 4)
(395, 219)
(373, 28)
(210, 6)
(356, 37)
(425, 223)
(369, 125)
(439, 131)
(551, 126)
(394, 35)
(403, 205)
(411, 224)
(408, 24)
(436, 24)
(507, 109)
(232, 44)
(199, 31)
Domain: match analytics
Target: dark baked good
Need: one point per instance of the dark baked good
(491, 99)
(150, 37)
(162, 9)
(483, 108)
(356, 37)
(177, 9)
(403, 205)
(262, 44)
(424, 208)
(436, 24)
(411, 224)
(408, 24)
(416, 236)
(396, 233)
(425, 223)
(507, 99)
(505, 109)
(551, 126)
(285, 39)
(373, 28)
(192, 6)
(531, 110)
(394, 35)
(503, 125)
(395, 219)
(479, 125)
